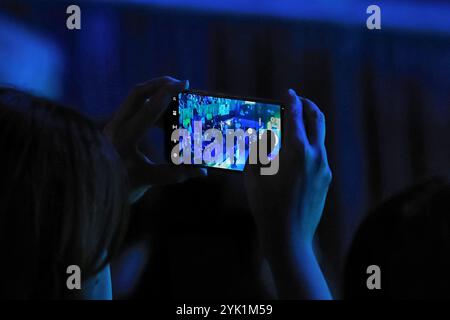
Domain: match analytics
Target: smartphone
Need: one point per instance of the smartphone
(222, 131)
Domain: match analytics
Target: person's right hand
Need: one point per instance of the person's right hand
(143, 107)
(288, 206)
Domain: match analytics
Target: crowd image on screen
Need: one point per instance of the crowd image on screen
(227, 114)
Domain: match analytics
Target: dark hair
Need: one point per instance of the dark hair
(408, 237)
(63, 196)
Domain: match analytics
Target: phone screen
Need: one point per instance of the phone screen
(240, 123)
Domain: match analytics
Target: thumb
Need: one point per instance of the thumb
(148, 173)
(252, 185)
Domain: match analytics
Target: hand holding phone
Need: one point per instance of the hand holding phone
(222, 131)
(142, 108)
(288, 206)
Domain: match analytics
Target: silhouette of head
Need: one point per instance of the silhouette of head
(408, 237)
(63, 196)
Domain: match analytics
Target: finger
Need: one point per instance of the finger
(145, 172)
(252, 184)
(295, 128)
(131, 103)
(315, 123)
(136, 99)
(144, 118)
(251, 173)
(164, 174)
(146, 89)
(158, 103)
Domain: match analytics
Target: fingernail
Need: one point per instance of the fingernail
(201, 172)
(204, 171)
(186, 84)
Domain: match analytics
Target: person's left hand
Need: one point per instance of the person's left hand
(288, 205)
(141, 110)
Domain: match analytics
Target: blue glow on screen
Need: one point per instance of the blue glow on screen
(228, 114)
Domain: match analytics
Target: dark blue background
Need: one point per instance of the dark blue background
(385, 94)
